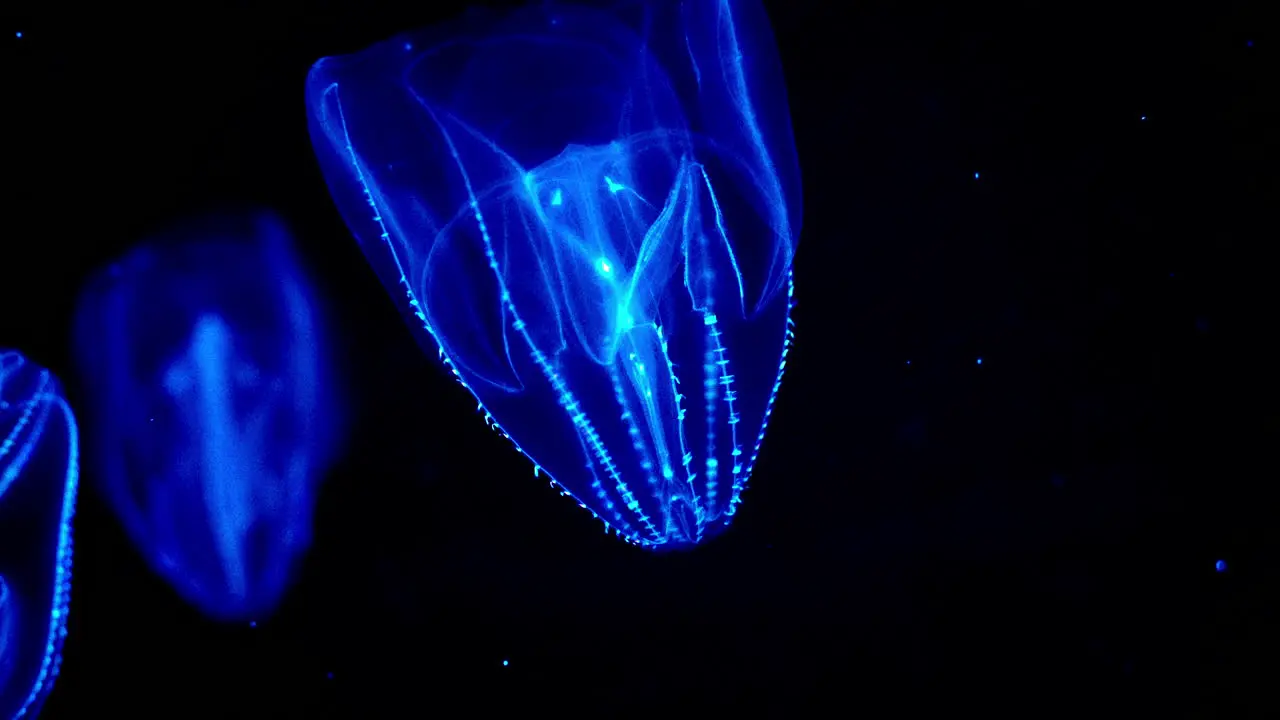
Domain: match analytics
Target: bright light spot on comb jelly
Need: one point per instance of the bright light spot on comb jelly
(39, 475)
(209, 378)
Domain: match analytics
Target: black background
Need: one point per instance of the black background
(1036, 534)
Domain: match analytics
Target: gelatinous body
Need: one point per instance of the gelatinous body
(593, 215)
(39, 474)
(212, 411)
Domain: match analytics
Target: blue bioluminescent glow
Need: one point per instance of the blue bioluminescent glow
(212, 409)
(593, 215)
(39, 474)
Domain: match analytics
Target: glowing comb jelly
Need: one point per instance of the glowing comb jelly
(39, 474)
(593, 215)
